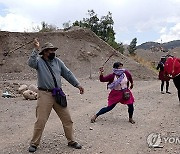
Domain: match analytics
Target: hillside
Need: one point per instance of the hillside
(167, 46)
(154, 57)
(80, 49)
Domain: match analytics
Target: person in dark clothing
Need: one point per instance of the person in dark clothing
(176, 81)
(172, 69)
(118, 82)
(162, 75)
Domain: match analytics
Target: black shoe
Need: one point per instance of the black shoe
(75, 145)
(162, 92)
(32, 148)
(168, 92)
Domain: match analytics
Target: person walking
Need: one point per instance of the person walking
(162, 76)
(118, 83)
(46, 101)
(172, 69)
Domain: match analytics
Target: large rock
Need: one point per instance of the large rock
(22, 88)
(30, 95)
(33, 88)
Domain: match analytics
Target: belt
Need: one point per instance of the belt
(48, 90)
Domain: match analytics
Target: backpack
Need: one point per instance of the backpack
(172, 66)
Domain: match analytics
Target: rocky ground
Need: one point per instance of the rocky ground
(111, 133)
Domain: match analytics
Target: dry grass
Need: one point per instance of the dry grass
(148, 64)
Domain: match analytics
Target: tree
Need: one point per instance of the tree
(101, 27)
(45, 27)
(106, 28)
(120, 47)
(132, 46)
(67, 25)
(91, 22)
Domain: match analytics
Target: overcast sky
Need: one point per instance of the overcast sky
(147, 20)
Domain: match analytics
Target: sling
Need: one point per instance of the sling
(51, 71)
(58, 94)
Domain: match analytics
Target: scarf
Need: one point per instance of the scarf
(120, 73)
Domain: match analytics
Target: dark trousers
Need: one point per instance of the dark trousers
(176, 81)
(109, 108)
(162, 85)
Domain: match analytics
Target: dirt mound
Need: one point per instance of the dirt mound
(80, 49)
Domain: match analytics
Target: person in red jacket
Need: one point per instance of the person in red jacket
(172, 69)
(162, 76)
(118, 83)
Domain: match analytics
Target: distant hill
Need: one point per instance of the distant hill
(166, 46)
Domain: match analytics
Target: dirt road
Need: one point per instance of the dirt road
(111, 133)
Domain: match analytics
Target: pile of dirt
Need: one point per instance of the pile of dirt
(80, 49)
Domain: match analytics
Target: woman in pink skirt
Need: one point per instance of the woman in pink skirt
(118, 83)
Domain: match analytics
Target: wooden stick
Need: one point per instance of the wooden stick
(20, 46)
(108, 59)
